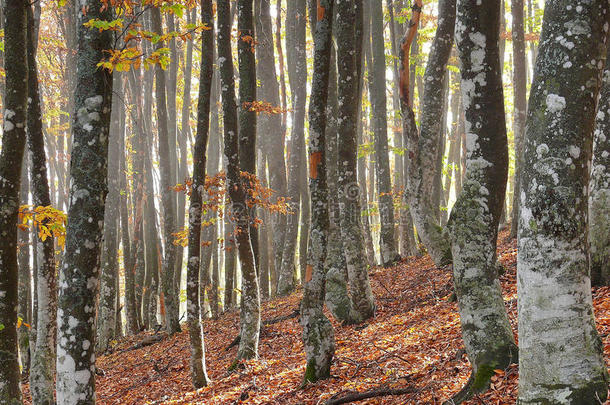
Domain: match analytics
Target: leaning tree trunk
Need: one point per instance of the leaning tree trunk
(423, 149)
(318, 333)
(560, 352)
(167, 194)
(79, 273)
(348, 93)
(42, 373)
(199, 375)
(250, 302)
(473, 225)
(379, 122)
(11, 157)
(599, 186)
(296, 54)
(520, 101)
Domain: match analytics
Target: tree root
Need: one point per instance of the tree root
(360, 396)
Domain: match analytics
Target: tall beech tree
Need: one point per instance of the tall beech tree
(473, 225)
(108, 292)
(11, 158)
(246, 55)
(271, 124)
(423, 145)
(348, 93)
(520, 102)
(560, 352)
(42, 348)
(79, 273)
(296, 58)
(599, 188)
(198, 370)
(379, 122)
(318, 333)
(172, 323)
(250, 302)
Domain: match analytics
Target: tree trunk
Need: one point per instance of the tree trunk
(108, 292)
(318, 333)
(199, 375)
(11, 157)
(560, 352)
(348, 93)
(423, 149)
(599, 186)
(377, 92)
(297, 75)
(79, 274)
(167, 194)
(250, 303)
(473, 226)
(246, 45)
(272, 143)
(520, 102)
(23, 261)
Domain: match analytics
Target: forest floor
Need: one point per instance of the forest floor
(413, 342)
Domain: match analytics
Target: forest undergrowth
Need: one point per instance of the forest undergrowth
(414, 342)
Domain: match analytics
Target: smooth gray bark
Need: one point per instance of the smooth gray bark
(560, 352)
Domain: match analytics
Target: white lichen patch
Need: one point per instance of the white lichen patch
(555, 103)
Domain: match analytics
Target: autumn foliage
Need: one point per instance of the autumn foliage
(413, 341)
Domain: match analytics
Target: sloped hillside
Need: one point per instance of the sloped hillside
(414, 342)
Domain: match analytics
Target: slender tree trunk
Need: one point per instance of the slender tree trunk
(520, 102)
(297, 75)
(23, 260)
(42, 348)
(246, 46)
(167, 194)
(108, 292)
(79, 274)
(377, 92)
(423, 149)
(599, 186)
(11, 157)
(560, 352)
(230, 251)
(271, 124)
(348, 93)
(250, 302)
(473, 226)
(199, 376)
(318, 333)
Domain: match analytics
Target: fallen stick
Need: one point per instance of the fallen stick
(360, 396)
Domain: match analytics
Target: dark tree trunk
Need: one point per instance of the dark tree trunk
(167, 194)
(11, 157)
(246, 45)
(560, 352)
(318, 333)
(199, 375)
(79, 274)
(473, 226)
(250, 302)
